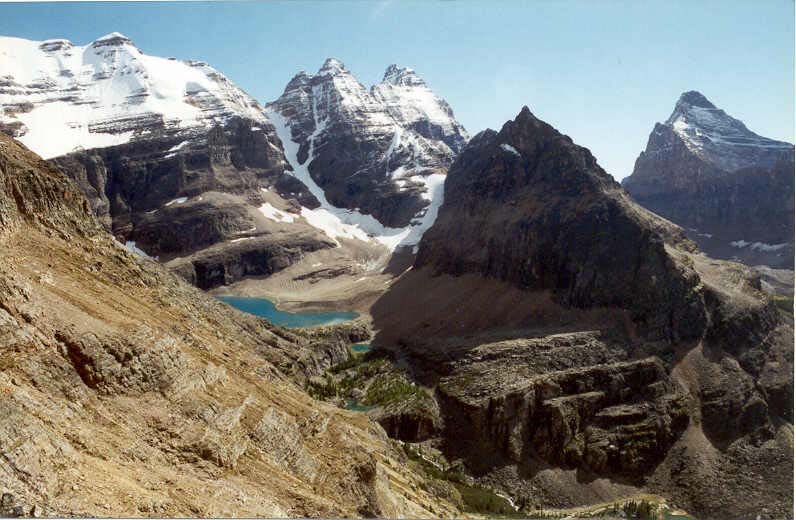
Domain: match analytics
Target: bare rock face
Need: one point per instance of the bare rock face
(528, 206)
(731, 188)
(127, 392)
(611, 418)
(370, 151)
(196, 197)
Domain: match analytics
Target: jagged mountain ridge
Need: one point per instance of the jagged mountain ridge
(59, 97)
(376, 152)
(174, 158)
(729, 187)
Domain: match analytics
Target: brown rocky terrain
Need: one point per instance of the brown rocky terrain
(127, 392)
(581, 349)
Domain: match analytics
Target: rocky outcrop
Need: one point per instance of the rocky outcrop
(127, 392)
(372, 152)
(258, 256)
(729, 187)
(408, 422)
(611, 419)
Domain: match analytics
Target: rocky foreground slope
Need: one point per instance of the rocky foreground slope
(730, 188)
(126, 392)
(579, 347)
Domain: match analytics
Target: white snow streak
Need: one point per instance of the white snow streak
(277, 215)
(510, 149)
(758, 246)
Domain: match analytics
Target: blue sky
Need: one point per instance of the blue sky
(602, 72)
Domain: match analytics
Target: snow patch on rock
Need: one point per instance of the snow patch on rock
(275, 214)
(345, 223)
(510, 149)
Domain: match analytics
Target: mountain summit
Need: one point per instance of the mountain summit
(731, 188)
(720, 139)
(380, 153)
(59, 97)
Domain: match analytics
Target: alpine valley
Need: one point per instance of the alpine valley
(532, 338)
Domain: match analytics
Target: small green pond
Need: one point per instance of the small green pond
(362, 347)
(351, 404)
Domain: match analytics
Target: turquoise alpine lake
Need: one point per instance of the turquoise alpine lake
(361, 347)
(264, 308)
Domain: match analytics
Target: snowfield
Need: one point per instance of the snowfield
(65, 97)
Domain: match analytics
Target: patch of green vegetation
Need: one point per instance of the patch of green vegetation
(372, 373)
(391, 387)
(325, 390)
(638, 510)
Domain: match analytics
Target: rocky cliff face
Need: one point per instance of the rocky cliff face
(573, 336)
(378, 152)
(202, 198)
(731, 188)
(126, 392)
(530, 207)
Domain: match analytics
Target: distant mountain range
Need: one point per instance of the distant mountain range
(181, 164)
(729, 187)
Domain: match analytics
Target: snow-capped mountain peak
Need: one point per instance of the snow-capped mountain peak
(112, 39)
(694, 98)
(380, 153)
(720, 139)
(332, 66)
(410, 101)
(403, 76)
(58, 97)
